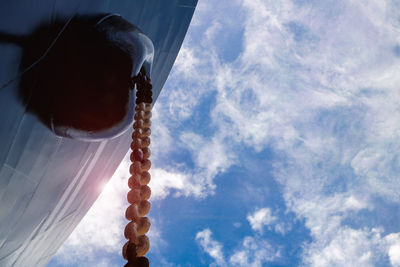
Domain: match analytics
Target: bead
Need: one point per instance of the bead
(147, 115)
(142, 262)
(145, 178)
(137, 133)
(132, 212)
(138, 78)
(143, 246)
(146, 165)
(139, 115)
(144, 208)
(140, 91)
(131, 251)
(147, 107)
(143, 226)
(134, 181)
(136, 143)
(135, 168)
(146, 141)
(139, 262)
(145, 92)
(146, 132)
(138, 124)
(145, 192)
(147, 123)
(124, 250)
(138, 244)
(130, 232)
(133, 196)
(137, 155)
(146, 152)
(140, 106)
(148, 99)
(146, 95)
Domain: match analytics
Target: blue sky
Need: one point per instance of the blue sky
(275, 143)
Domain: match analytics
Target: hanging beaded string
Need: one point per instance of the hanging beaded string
(138, 243)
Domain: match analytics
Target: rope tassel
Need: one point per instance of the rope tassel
(138, 243)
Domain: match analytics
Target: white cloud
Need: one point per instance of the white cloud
(349, 247)
(317, 83)
(393, 248)
(394, 255)
(260, 218)
(211, 156)
(100, 233)
(237, 224)
(210, 246)
(161, 139)
(355, 247)
(186, 62)
(89, 237)
(254, 253)
(281, 228)
(163, 182)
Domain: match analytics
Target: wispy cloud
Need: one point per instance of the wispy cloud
(317, 83)
(210, 246)
(254, 252)
(393, 247)
(260, 218)
(164, 182)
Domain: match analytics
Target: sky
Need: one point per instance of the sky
(276, 142)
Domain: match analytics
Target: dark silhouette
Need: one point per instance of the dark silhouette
(77, 76)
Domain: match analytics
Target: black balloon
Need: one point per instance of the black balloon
(82, 87)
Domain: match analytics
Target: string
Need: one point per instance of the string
(135, 231)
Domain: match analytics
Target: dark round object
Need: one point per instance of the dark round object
(137, 133)
(137, 155)
(131, 252)
(136, 143)
(147, 92)
(129, 231)
(139, 262)
(133, 196)
(142, 262)
(145, 178)
(134, 182)
(144, 100)
(130, 213)
(144, 90)
(82, 88)
(135, 168)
